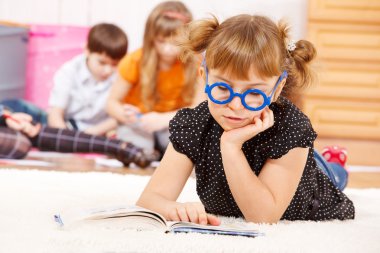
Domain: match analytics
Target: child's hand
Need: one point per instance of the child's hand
(192, 212)
(131, 114)
(238, 136)
(152, 121)
(23, 122)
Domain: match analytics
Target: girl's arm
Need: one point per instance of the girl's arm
(262, 198)
(115, 107)
(166, 184)
(56, 117)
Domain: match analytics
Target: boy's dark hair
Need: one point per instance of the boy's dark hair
(109, 39)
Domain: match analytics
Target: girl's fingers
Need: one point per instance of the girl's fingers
(271, 117)
(14, 125)
(201, 213)
(265, 118)
(173, 215)
(27, 117)
(202, 217)
(20, 122)
(250, 130)
(181, 210)
(35, 130)
(268, 118)
(26, 128)
(257, 123)
(22, 116)
(213, 220)
(192, 214)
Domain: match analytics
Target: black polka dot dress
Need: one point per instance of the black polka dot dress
(196, 134)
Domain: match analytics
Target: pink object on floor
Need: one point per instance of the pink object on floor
(49, 47)
(335, 154)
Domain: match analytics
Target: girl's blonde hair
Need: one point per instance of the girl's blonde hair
(243, 41)
(165, 20)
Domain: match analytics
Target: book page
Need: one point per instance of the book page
(126, 216)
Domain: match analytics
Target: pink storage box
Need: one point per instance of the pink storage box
(49, 47)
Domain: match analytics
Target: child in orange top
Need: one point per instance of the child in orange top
(152, 83)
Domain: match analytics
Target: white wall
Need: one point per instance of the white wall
(131, 15)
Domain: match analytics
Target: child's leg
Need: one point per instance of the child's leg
(14, 144)
(19, 105)
(71, 141)
(337, 174)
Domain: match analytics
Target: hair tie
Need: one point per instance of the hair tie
(291, 45)
(176, 15)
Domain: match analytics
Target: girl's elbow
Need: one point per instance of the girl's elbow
(265, 218)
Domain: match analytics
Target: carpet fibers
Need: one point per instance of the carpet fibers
(30, 198)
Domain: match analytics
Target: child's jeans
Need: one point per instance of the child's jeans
(38, 115)
(337, 174)
(19, 105)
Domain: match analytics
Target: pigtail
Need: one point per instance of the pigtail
(197, 36)
(302, 55)
(193, 40)
(297, 56)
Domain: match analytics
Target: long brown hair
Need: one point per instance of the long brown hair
(242, 41)
(165, 20)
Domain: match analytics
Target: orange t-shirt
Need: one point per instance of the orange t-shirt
(169, 87)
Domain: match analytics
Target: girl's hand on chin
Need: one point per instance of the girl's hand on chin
(236, 137)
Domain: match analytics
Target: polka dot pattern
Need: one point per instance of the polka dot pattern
(197, 135)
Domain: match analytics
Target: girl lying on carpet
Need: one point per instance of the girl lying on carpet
(251, 147)
(18, 135)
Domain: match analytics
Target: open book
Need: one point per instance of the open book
(139, 218)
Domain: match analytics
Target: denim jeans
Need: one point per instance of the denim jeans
(337, 174)
(19, 105)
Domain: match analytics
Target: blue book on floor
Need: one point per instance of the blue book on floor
(138, 218)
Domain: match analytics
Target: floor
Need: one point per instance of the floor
(358, 178)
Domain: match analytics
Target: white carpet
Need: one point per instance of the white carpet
(29, 198)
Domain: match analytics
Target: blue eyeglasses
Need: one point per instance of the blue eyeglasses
(252, 99)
